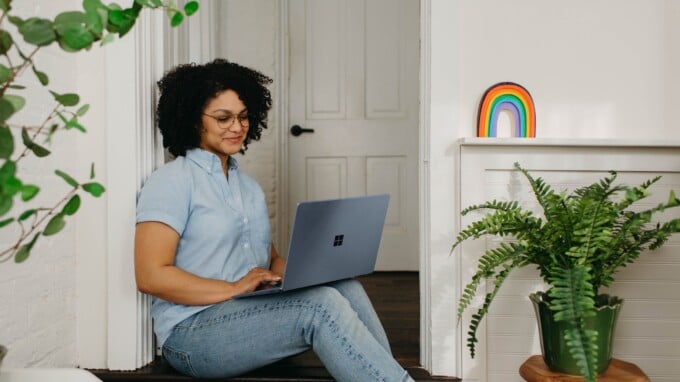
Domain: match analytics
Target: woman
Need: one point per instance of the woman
(203, 236)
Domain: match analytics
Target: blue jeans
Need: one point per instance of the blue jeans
(336, 320)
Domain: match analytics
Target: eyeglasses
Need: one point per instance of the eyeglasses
(227, 121)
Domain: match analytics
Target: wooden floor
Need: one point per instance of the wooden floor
(395, 296)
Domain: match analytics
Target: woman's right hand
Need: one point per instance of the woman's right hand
(256, 277)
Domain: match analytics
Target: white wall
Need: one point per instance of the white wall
(38, 299)
(596, 69)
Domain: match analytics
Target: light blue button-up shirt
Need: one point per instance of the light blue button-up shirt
(223, 224)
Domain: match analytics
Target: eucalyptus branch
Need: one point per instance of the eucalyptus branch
(72, 31)
(22, 127)
(51, 116)
(28, 60)
(9, 252)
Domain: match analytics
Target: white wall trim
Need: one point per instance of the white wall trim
(282, 146)
(133, 64)
(424, 188)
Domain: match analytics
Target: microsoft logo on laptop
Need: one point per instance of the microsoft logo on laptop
(338, 240)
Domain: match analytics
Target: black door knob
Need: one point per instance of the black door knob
(296, 130)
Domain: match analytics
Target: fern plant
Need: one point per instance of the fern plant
(578, 244)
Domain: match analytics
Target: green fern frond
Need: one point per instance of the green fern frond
(477, 318)
(572, 295)
(501, 223)
(663, 232)
(486, 269)
(492, 205)
(555, 208)
(582, 345)
(572, 299)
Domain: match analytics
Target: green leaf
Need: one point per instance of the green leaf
(121, 21)
(191, 7)
(5, 203)
(6, 142)
(17, 21)
(73, 123)
(4, 5)
(56, 224)
(42, 77)
(108, 38)
(116, 17)
(60, 115)
(96, 16)
(176, 19)
(146, 3)
(38, 31)
(82, 110)
(51, 132)
(90, 5)
(6, 109)
(70, 17)
(7, 171)
(94, 188)
(25, 250)
(12, 186)
(67, 99)
(92, 171)
(72, 205)
(38, 150)
(5, 74)
(22, 254)
(73, 38)
(72, 182)
(5, 41)
(27, 214)
(94, 23)
(157, 3)
(29, 191)
(17, 102)
(6, 222)
(15, 86)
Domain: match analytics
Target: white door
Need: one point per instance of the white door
(354, 82)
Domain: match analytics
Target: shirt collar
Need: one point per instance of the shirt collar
(209, 161)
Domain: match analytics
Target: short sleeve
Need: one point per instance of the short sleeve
(165, 197)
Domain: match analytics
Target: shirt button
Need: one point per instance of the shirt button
(246, 245)
(245, 220)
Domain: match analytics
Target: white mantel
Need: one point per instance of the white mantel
(569, 142)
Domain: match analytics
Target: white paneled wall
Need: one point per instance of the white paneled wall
(649, 325)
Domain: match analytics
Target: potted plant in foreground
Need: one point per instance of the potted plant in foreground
(578, 244)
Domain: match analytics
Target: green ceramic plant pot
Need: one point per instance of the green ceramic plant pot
(553, 345)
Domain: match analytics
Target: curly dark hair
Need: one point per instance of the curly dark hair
(186, 90)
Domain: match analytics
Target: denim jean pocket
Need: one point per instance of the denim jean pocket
(179, 361)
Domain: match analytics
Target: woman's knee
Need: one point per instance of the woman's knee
(330, 303)
(350, 285)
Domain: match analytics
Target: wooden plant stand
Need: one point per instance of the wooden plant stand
(535, 370)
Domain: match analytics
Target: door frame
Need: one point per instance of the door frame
(127, 340)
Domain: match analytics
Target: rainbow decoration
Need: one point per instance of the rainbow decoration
(507, 96)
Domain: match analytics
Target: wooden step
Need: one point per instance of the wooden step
(283, 371)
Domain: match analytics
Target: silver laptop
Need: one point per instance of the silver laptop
(332, 240)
